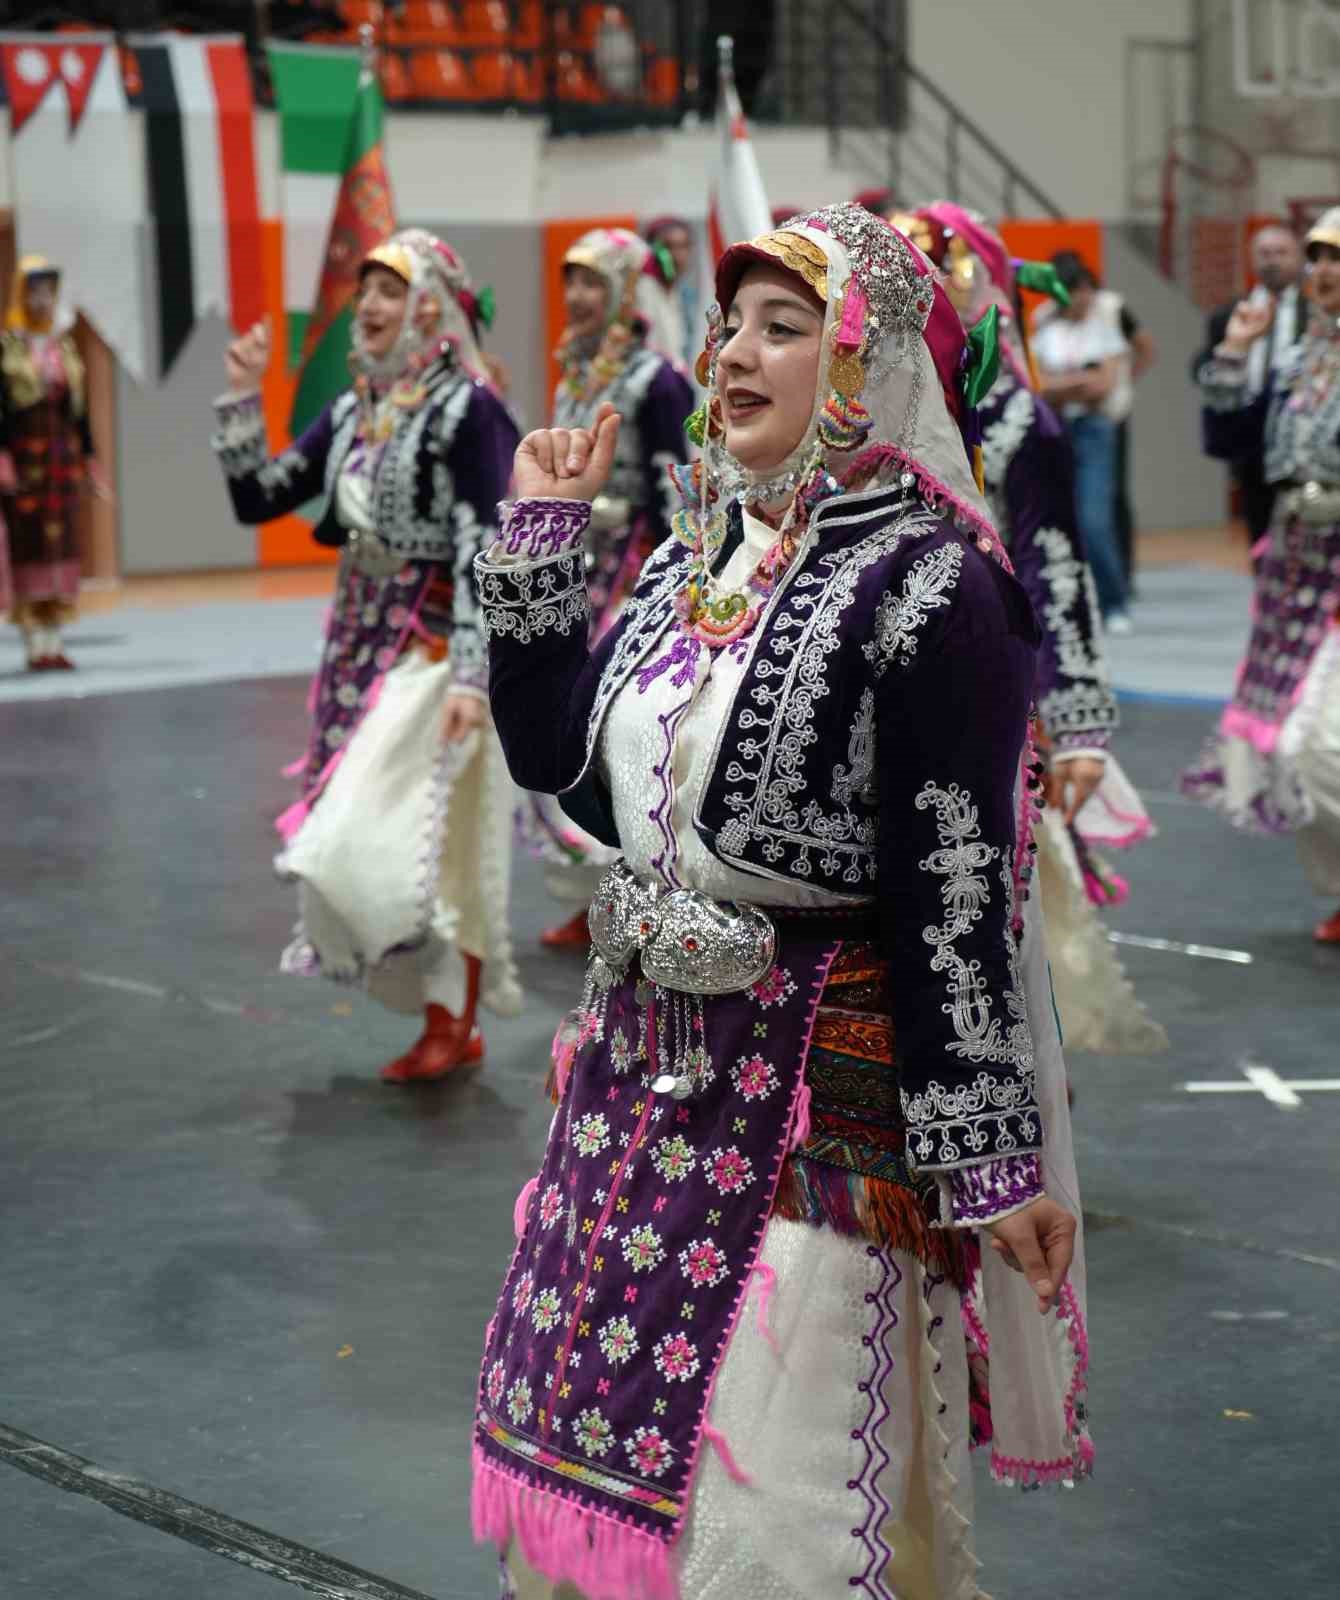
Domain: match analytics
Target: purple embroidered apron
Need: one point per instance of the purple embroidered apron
(640, 1236)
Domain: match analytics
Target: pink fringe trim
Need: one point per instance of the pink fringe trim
(294, 767)
(522, 1202)
(1110, 891)
(734, 1471)
(1256, 731)
(934, 490)
(1065, 1470)
(602, 1555)
(801, 1128)
(767, 1282)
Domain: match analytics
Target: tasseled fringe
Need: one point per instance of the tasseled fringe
(801, 1132)
(767, 1282)
(734, 1471)
(603, 1557)
(868, 1208)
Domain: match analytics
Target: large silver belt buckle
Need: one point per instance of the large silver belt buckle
(687, 940)
(1316, 504)
(372, 555)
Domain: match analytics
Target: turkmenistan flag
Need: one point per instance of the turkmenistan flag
(337, 206)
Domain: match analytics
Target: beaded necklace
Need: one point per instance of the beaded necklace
(718, 618)
(377, 412)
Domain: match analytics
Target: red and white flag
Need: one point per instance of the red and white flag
(34, 65)
(738, 206)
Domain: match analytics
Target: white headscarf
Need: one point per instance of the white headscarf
(884, 309)
(431, 269)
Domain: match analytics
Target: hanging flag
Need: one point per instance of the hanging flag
(738, 206)
(201, 164)
(363, 217)
(315, 90)
(78, 178)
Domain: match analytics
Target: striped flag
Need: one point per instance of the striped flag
(363, 216)
(738, 206)
(200, 160)
(78, 180)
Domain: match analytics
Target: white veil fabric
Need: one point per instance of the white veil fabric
(883, 300)
(431, 269)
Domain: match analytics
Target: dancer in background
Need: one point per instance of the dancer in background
(1273, 765)
(729, 1361)
(46, 461)
(1091, 805)
(400, 843)
(605, 358)
(675, 236)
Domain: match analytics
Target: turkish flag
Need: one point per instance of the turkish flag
(30, 70)
(78, 68)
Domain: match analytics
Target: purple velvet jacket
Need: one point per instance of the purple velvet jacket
(872, 750)
(436, 485)
(1030, 484)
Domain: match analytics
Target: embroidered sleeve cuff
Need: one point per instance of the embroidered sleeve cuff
(470, 685)
(1070, 746)
(239, 435)
(532, 530)
(525, 601)
(994, 1189)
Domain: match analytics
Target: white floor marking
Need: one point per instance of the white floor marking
(1210, 952)
(1259, 1079)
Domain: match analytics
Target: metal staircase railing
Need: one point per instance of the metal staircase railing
(892, 122)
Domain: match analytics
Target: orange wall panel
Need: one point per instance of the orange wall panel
(559, 237)
(1039, 238)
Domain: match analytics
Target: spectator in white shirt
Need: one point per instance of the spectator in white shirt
(1083, 364)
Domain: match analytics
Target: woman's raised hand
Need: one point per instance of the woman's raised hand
(247, 357)
(1249, 320)
(567, 463)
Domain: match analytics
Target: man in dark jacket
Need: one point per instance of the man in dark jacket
(1277, 263)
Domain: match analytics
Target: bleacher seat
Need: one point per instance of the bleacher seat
(574, 80)
(485, 23)
(431, 22)
(395, 77)
(441, 75)
(528, 30)
(660, 78)
(357, 12)
(130, 70)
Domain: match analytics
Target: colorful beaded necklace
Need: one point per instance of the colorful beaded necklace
(719, 618)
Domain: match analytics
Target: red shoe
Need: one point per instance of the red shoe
(41, 663)
(1328, 932)
(574, 934)
(443, 1047)
(60, 663)
(443, 1053)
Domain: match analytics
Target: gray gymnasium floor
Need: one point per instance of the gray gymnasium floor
(244, 1285)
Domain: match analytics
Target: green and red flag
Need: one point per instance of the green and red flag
(307, 87)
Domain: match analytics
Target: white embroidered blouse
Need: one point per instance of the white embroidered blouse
(656, 755)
